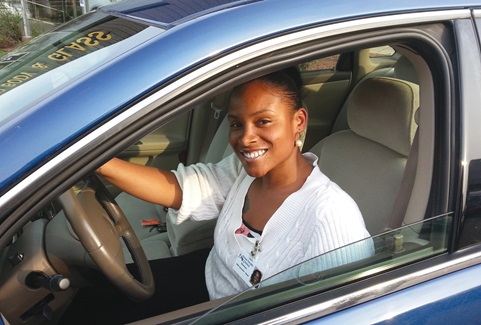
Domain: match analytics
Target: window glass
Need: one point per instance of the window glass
(52, 50)
(55, 59)
(327, 63)
(393, 249)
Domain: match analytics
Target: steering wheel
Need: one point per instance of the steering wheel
(100, 224)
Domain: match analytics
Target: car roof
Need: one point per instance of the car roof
(169, 14)
(195, 30)
(173, 13)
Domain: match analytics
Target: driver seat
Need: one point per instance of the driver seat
(175, 239)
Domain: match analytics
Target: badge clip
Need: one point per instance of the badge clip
(256, 249)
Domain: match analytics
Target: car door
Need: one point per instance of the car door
(434, 259)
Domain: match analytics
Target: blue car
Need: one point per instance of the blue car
(393, 93)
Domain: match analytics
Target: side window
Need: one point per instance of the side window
(327, 63)
(383, 56)
(400, 247)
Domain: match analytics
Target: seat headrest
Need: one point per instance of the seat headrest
(382, 109)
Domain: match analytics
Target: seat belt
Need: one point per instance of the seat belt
(407, 183)
(217, 107)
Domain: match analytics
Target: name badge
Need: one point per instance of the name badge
(245, 267)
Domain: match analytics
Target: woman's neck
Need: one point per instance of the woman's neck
(286, 177)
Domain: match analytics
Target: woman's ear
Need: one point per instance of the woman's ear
(300, 119)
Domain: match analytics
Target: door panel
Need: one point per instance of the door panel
(450, 299)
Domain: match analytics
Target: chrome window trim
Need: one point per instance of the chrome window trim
(377, 290)
(205, 72)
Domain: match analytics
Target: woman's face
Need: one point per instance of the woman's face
(264, 129)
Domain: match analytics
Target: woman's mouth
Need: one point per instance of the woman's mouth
(253, 154)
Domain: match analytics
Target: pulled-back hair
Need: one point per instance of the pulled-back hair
(288, 84)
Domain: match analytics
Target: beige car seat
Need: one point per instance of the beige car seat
(368, 159)
(188, 236)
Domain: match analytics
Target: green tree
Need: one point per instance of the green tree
(10, 30)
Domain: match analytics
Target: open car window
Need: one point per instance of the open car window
(393, 249)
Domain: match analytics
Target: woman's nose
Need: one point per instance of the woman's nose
(247, 137)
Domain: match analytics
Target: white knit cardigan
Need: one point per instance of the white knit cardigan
(316, 219)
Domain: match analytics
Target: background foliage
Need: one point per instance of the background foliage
(10, 31)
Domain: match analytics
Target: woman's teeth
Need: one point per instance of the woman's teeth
(254, 154)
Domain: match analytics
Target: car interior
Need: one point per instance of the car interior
(367, 142)
(366, 108)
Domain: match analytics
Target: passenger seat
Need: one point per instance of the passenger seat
(368, 159)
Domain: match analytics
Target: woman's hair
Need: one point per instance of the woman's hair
(288, 84)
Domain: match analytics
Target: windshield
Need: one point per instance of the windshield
(55, 59)
(393, 249)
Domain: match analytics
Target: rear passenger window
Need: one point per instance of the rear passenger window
(327, 63)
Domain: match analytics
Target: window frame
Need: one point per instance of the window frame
(355, 293)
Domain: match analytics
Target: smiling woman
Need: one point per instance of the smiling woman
(290, 211)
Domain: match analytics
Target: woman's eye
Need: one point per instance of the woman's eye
(235, 124)
(264, 122)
